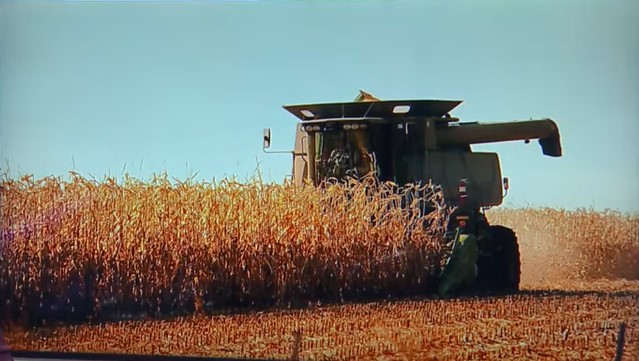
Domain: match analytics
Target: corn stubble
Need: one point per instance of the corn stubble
(523, 327)
(79, 249)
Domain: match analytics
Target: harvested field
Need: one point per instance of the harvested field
(560, 325)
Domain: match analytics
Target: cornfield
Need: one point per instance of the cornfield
(82, 250)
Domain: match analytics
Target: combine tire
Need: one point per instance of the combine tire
(498, 266)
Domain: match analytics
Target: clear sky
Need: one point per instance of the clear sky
(188, 87)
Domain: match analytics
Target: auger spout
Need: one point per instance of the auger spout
(475, 133)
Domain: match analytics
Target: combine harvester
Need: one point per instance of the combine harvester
(418, 142)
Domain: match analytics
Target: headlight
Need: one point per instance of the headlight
(347, 127)
(316, 128)
(355, 126)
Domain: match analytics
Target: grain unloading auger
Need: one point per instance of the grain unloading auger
(417, 141)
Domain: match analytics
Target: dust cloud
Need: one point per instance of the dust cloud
(574, 249)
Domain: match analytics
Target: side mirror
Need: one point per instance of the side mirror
(267, 138)
(506, 185)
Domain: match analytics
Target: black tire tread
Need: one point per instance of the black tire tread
(500, 270)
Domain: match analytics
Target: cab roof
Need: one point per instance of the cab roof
(376, 109)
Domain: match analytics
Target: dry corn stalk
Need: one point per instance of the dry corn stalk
(79, 249)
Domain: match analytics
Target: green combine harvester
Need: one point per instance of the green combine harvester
(419, 142)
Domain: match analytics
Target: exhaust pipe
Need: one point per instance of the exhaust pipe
(475, 133)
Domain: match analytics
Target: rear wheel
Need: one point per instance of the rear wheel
(498, 266)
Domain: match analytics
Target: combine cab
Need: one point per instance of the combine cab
(417, 141)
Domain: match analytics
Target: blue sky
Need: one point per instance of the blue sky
(188, 87)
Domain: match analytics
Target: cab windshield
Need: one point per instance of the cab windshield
(341, 154)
